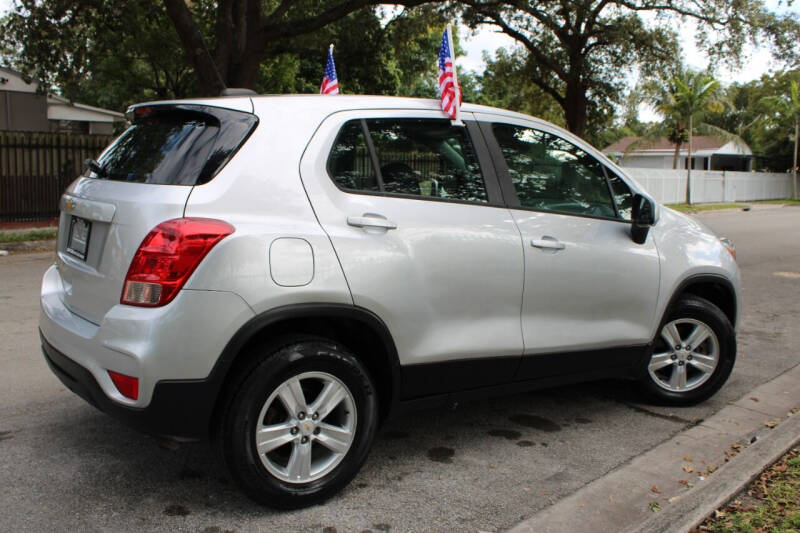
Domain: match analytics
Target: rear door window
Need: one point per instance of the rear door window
(350, 163)
(415, 157)
(175, 146)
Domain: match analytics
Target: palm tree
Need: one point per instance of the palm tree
(789, 106)
(684, 101)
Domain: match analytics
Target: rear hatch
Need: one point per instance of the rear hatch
(142, 179)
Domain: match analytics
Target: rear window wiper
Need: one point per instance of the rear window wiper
(95, 167)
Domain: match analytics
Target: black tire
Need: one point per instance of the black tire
(235, 431)
(700, 309)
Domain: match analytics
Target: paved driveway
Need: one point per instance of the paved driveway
(483, 466)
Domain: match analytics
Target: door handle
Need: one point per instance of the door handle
(547, 243)
(370, 220)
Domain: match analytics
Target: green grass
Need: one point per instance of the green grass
(703, 207)
(32, 235)
(772, 503)
(784, 201)
(693, 208)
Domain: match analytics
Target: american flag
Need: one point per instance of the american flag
(449, 92)
(330, 84)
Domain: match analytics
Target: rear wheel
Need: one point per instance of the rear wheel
(693, 354)
(300, 425)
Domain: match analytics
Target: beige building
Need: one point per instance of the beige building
(22, 108)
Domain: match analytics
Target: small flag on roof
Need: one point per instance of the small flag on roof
(330, 84)
(449, 90)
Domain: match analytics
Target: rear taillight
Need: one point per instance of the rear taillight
(167, 257)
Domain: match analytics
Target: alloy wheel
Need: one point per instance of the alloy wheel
(685, 356)
(306, 427)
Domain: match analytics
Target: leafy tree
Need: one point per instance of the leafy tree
(373, 56)
(580, 50)
(415, 35)
(685, 101)
(788, 106)
(506, 83)
(112, 54)
(226, 41)
(624, 123)
(105, 52)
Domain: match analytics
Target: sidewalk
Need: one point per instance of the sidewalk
(675, 485)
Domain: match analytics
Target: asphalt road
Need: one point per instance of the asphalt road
(481, 467)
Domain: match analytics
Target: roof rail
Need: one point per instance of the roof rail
(237, 91)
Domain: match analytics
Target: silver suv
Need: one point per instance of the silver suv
(281, 273)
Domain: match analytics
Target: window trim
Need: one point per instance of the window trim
(610, 173)
(373, 154)
(494, 195)
(507, 185)
(610, 189)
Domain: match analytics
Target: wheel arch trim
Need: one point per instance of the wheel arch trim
(700, 279)
(250, 330)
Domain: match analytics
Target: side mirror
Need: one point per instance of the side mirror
(643, 217)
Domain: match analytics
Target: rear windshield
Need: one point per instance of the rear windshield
(175, 146)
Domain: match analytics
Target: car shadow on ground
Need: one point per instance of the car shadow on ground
(188, 478)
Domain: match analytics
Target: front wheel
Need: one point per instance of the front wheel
(692, 356)
(300, 425)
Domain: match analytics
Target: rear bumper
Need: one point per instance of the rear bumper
(180, 409)
(172, 350)
(181, 341)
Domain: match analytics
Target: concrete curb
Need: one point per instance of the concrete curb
(702, 500)
(675, 485)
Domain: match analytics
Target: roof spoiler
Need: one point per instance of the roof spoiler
(237, 91)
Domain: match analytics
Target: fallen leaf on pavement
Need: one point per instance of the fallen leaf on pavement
(771, 423)
(655, 507)
(688, 469)
(654, 488)
(688, 458)
(673, 499)
(754, 398)
(711, 468)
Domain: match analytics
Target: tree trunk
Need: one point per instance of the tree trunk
(689, 167)
(676, 155)
(239, 60)
(575, 105)
(794, 164)
(209, 80)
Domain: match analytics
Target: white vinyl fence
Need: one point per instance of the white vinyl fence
(668, 186)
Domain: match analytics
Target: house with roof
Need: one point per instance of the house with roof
(708, 153)
(24, 108)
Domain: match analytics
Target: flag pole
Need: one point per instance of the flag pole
(457, 88)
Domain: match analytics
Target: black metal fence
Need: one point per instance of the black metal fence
(35, 168)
